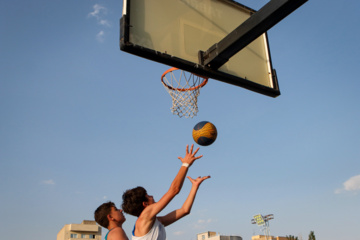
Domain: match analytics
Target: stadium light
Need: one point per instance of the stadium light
(264, 222)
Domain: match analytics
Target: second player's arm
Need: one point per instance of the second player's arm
(186, 207)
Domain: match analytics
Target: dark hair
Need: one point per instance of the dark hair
(133, 201)
(101, 213)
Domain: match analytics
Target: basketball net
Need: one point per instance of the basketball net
(184, 88)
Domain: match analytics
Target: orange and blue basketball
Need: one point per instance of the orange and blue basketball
(204, 133)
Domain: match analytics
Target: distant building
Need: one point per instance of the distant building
(86, 230)
(263, 237)
(214, 236)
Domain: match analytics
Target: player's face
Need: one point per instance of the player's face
(150, 199)
(117, 214)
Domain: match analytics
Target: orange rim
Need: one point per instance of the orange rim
(204, 82)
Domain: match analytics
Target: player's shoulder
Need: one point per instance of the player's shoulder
(116, 234)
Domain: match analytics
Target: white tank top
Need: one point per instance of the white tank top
(157, 232)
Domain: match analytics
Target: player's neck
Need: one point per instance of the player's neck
(113, 225)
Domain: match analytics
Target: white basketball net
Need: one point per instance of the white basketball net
(184, 88)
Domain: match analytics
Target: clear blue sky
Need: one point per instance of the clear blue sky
(82, 121)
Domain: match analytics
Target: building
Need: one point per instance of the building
(263, 237)
(86, 230)
(214, 236)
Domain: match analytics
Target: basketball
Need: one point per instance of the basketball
(204, 133)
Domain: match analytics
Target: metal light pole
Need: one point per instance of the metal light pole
(264, 222)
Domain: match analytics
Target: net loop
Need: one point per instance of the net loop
(184, 89)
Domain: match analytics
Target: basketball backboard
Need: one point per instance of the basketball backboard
(177, 32)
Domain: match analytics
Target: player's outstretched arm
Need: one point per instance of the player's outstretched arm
(186, 207)
(187, 161)
(152, 210)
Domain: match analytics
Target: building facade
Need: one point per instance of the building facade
(263, 237)
(214, 236)
(86, 230)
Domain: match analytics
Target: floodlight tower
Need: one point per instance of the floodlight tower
(263, 221)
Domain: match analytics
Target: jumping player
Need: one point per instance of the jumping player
(138, 203)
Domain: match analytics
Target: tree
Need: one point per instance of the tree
(291, 237)
(312, 236)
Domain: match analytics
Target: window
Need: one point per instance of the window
(83, 236)
(92, 236)
(73, 235)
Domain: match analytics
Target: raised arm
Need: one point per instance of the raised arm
(187, 161)
(186, 207)
(150, 212)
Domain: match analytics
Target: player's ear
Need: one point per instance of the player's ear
(145, 204)
(109, 217)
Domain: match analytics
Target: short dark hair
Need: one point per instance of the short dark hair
(101, 213)
(133, 201)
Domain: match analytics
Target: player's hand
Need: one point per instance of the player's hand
(190, 155)
(197, 181)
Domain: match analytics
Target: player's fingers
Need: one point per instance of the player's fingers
(196, 151)
(204, 178)
(191, 149)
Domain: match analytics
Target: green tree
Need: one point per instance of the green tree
(312, 236)
(291, 237)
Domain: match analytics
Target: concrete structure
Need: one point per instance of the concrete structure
(86, 230)
(214, 236)
(263, 237)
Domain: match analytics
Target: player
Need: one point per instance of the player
(108, 216)
(138, 203)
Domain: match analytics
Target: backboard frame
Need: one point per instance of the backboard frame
(197, 68)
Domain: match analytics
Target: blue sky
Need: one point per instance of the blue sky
(81, 122)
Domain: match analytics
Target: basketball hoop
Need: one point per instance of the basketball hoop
(184, 88)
